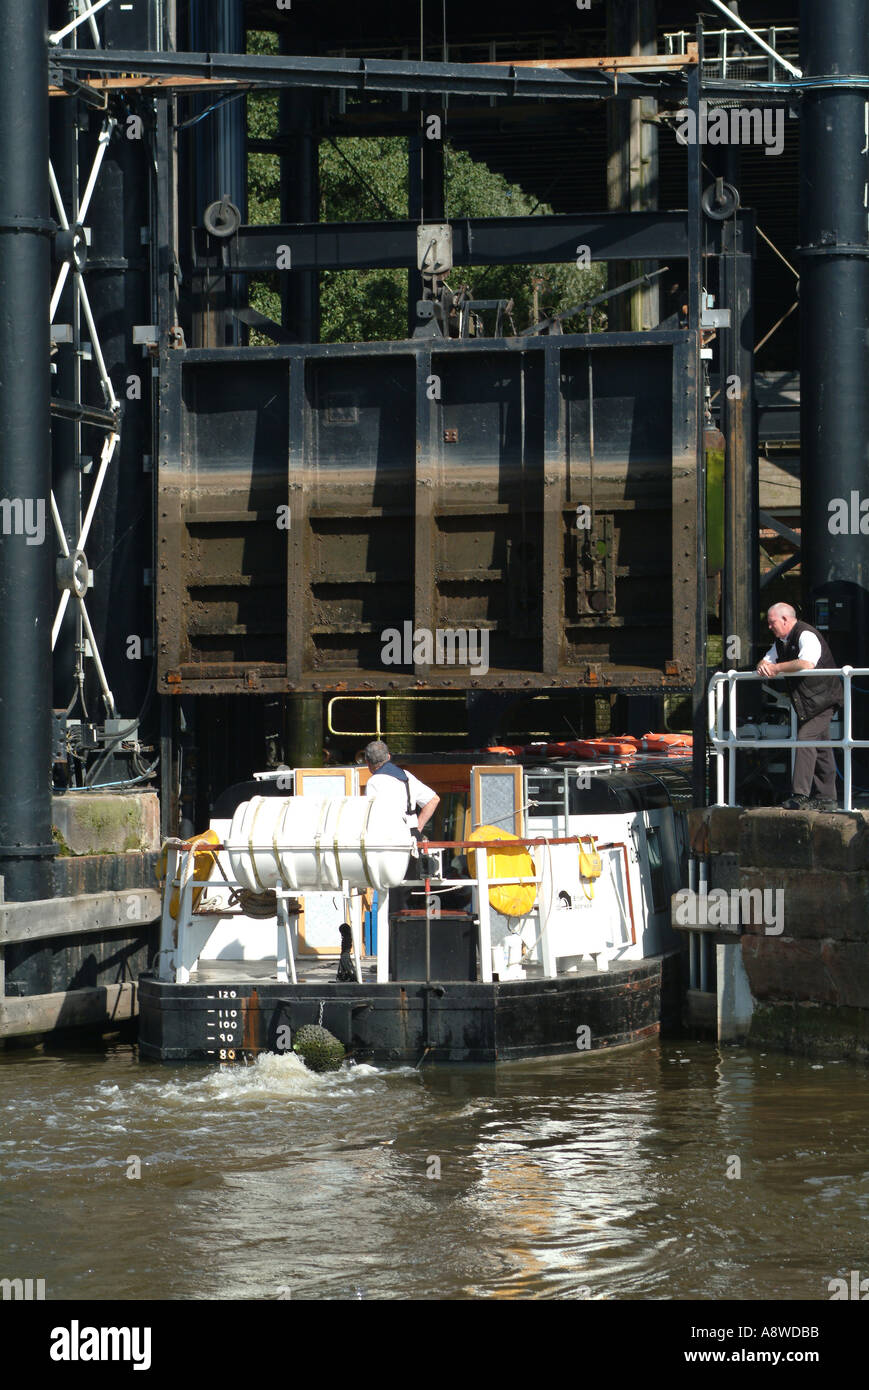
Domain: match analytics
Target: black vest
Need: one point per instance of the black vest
(808, 694)
(390, 770)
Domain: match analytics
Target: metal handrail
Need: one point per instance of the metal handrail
(718, 64)
(726, 745)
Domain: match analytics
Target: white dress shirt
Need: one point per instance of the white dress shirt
(395, 792)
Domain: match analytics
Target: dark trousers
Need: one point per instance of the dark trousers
(815, 765)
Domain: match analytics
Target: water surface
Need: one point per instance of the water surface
(598, 1176)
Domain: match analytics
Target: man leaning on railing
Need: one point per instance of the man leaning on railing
(800, 647)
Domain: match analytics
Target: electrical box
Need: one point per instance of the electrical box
(833, 614)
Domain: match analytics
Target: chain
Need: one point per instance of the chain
(320, 1019)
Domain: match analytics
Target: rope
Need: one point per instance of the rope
(263, 904)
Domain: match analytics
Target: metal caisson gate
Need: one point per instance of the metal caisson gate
(314, 498)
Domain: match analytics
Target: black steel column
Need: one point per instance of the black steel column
(219, 141)
(695, 386)
(300, 202)
(27, 545)
(425, 185)
(739, 426)
(834, 320)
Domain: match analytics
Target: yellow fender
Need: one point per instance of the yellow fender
(203, 862)
(590, 866)
(513, 861)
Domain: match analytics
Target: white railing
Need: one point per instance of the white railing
(726, 744)
(734, 50)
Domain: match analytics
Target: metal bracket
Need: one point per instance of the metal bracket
(434, 248)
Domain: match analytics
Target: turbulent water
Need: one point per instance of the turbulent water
(671, 1171)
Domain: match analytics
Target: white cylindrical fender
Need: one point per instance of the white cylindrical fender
(303, 842)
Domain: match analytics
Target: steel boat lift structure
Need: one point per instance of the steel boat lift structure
(150, 514)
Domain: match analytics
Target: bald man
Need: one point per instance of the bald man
(800, 647)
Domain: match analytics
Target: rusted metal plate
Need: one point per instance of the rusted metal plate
(325, 511)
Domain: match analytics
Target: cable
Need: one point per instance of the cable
(224, 101)
(120, 736)
(362, 179)
(101, 786)
(798, 84)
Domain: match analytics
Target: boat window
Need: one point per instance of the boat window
(448, 823)
(656, 868)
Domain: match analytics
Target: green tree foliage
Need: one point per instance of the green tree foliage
(364, 179)
(263, 182)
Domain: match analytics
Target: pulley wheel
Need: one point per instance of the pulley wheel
(720, 200)
(222, 219)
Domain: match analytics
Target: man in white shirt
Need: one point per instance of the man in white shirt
(801, 647)
(416, 802)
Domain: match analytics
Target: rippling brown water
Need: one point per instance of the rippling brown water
(599, 1176)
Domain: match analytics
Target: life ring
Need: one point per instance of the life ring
(667, 743)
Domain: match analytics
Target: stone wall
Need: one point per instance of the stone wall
(809, 981)
(106, 822)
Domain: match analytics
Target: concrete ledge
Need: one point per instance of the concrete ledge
(106, 822)
(44, 1013)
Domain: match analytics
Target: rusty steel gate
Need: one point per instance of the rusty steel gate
(318, 501)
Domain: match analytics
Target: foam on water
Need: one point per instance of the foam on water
(279, 1075)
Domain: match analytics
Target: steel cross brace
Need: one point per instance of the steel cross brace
(84, 14)
(76, 569)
